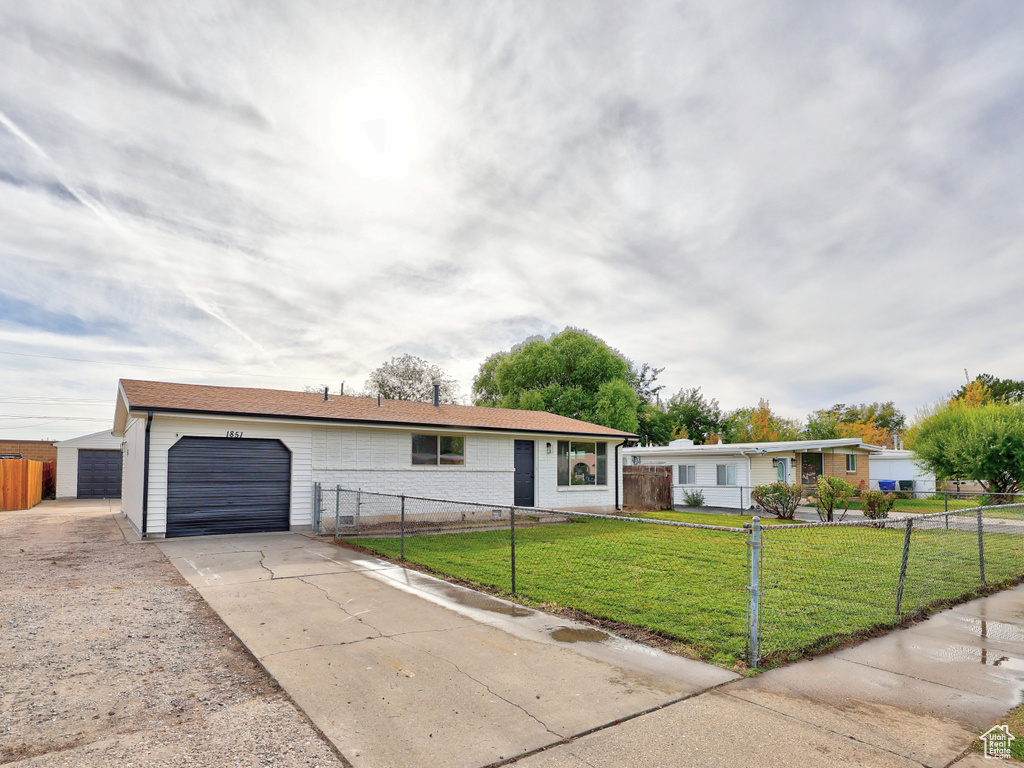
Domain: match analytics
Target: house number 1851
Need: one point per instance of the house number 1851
(232, 433)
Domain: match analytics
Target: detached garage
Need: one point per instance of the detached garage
(89, 467)
(201, 460)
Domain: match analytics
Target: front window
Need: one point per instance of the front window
(726, 474)
(582, 463)
(431, 450)
(810, 468)
(687, 474)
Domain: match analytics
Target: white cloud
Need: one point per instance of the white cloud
(810, 203)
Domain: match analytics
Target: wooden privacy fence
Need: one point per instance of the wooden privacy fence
(646, 486)
(21, 484)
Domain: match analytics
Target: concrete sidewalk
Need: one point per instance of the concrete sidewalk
(400, 669)
(915, 697)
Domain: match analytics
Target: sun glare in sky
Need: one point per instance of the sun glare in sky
(378, 132)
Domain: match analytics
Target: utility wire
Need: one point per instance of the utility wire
(154, 367)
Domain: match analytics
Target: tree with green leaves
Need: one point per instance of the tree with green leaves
(875, 423)
(1000, 390)
(573, 374)
(654, 425)
(984, 443)
(696, 415)
(759, 425)
(410, 378)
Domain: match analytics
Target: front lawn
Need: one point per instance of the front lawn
(710, 518)
(819, 585)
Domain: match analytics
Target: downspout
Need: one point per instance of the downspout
(618, 468)
(743, 453)
(145, 476)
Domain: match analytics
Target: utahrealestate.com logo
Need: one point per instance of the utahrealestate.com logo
(997, 742)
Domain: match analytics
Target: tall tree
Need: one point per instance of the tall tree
(1000, 390)
(410, 378)
(698, 416)
(983, 443)
(569, 374)
(758, 425)
(875, 423)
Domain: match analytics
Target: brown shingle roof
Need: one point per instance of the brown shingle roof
(242, 401)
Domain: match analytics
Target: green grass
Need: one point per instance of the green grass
(924, 506)
(709, 518)
(820, 585)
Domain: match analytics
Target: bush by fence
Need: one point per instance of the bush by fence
(729, 594)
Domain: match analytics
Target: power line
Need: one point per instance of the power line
(57, 418)
(154, 367)
(61, 403)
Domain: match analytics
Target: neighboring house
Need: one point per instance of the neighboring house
(726, 473)
(36, 450)
(203, 459)
(900, 468)
(89, 467)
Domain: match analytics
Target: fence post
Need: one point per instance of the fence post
(359, 502)
(512, 527)
(316, 508)
(754, 593)
(903, 565)
(337, 509)
(981, 549)
(945, 503)
(403, 527)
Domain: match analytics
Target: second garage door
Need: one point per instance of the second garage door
(99, 474)
(227, 485)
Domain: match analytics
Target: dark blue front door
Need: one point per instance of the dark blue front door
(524, 473)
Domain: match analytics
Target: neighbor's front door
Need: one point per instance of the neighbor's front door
(523, 494)
(783, 470)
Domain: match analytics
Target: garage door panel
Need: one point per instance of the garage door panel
(99, 474)
(227, 485)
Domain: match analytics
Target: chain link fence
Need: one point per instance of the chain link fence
(654, 575)
(755, 594)
(823, 583)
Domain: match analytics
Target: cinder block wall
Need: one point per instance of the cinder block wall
(36, 450)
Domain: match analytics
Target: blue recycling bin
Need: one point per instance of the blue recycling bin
(886, 485)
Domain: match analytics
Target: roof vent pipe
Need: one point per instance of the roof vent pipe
(437, 392)
(325, 394)
(378, 399)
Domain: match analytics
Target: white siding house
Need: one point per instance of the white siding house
(727, 473)
(897, 466)
(201, 459)
(88, 456)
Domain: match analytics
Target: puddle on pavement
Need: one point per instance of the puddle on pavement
(571, 635)
(993, 630)
(985, 656)
(484, 602)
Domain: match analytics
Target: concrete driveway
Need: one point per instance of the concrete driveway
(400, 669)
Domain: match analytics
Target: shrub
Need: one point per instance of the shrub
(877, 504)
(833, 493)
(779, 499)
(694, 498)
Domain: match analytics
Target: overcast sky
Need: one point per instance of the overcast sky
(804, 201)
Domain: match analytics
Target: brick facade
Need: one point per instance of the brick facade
(834, 465)
(36, 450)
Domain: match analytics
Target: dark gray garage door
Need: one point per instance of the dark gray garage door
(99, 474)
(227, 485)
